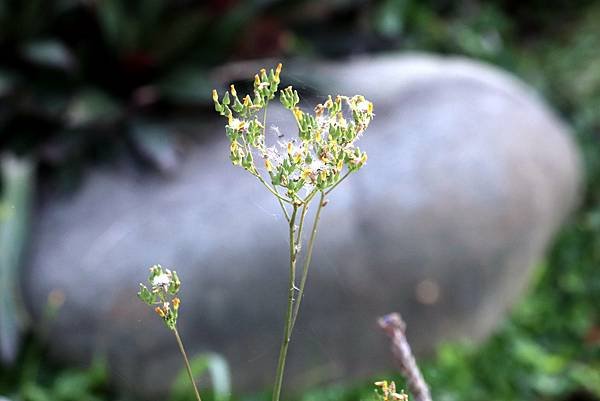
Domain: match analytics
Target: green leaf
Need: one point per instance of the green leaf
(153, 141)
(178, 35)
(49, 53)
(112, 19)
(187, 85)
(92, 106)
(18, 183)
(390, 17)
(220, 377)
(145, 295)
(33, 392)
(80, 385)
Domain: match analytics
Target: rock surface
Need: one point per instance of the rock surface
(469, 176)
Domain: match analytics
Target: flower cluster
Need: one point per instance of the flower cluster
(321, 155)
(164, 286)
(388, 392)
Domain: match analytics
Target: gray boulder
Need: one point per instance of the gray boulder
(469, 177)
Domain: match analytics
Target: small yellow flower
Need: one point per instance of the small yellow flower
(176, 302)
(306, 173)
(389, 393)
(215, 95)
(268, 165)
(263, 75)
(233, 91)
(159, 311)
(298, 113)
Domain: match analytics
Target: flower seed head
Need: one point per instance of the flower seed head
(314, 161)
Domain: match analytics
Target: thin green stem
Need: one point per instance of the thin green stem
(187, 363)
(339, 182)
(311, 243)
(287, 330)
(297, 121)
(310, 196)
(301, 225)
(285, 212)
(265, 123)
(281, 198)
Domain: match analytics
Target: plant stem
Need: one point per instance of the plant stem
(287, 330)
(187, 363)
(285, 212)
(265, 123)
(301, 224)
(311, 243)
(395, 328)
(262, 180)
(339, 182)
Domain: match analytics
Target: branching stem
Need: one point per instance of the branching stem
(293, 305)
(307, 260)
(279, 197)
(339, 182)
(287, 332)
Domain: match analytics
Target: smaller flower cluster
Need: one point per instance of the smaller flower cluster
(316, 159)
(162, 294)
(388, 392)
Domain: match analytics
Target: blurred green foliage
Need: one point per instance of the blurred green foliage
(80, 80)
(15, 206)
(220, 378)
(37, 380)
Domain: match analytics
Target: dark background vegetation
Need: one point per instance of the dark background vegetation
(87, 81)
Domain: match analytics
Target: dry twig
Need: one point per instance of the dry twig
(395, 328)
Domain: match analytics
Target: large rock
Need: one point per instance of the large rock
(469, 176)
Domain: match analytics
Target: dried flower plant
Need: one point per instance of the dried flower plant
(295, 171)
(321, 157)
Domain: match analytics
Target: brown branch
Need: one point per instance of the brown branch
(395, 328)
